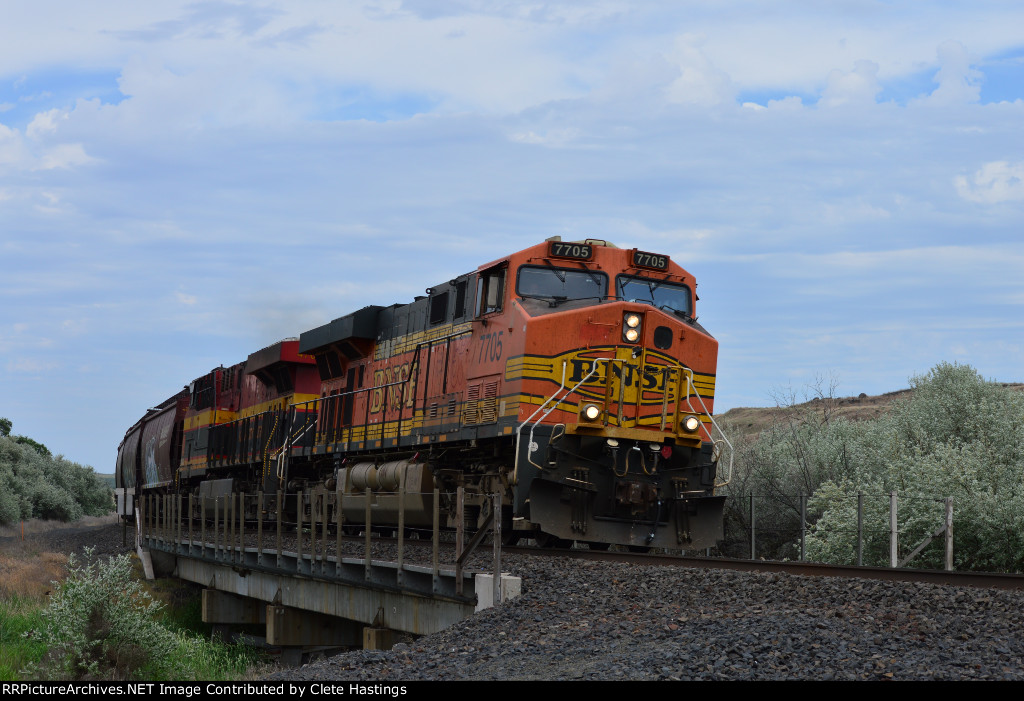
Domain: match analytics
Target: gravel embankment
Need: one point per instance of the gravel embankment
(581, 620)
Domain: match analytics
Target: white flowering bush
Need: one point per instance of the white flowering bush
(100, 623)
(955, 436)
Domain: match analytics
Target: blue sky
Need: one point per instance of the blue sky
(182, 183)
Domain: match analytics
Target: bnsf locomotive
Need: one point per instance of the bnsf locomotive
(571, 377)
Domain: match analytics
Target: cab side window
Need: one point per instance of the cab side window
(490, 291)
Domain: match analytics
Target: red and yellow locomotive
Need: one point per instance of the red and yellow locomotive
(572, 377)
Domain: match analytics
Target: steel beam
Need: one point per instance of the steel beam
(379, 603)
(221, 607)
(289, 626)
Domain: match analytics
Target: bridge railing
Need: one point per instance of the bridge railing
(249, 530)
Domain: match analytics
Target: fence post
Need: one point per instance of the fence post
(202, 525)
(399, 575)
(280, 512)
(229, 534)
(460, 534)
(259, 527)
(860, 529)
(229, 526)
(323, 531)
(949, 534)
(298, 531)
(339, 523)
(312, 531)
(753, 549)
(496, 510)
(216, 528)
(177, 508)
(803, 525)
(367, 519)
(893, 534)
(241, 528)
(435, 547)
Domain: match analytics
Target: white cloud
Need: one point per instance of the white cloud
(63, 156)
(999, 181)
(700, 82)
(45, 123)
(553, 137)
(958, 82)
(858, 87)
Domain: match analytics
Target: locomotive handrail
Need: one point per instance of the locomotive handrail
(288, 444)
(688, 374)
(351, 392)
(519, 429)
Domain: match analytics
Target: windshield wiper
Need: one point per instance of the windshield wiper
(555, 300)
(685, 316)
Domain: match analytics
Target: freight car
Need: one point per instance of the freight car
(571, 377)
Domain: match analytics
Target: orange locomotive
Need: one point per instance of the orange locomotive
(572, 377)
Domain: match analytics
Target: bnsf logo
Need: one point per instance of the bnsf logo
(653, 377)
(401, 391)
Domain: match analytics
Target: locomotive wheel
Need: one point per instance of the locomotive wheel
(641, 549)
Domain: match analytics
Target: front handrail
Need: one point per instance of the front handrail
(688, 374)
(554, 405)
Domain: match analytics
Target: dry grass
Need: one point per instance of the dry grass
(28, 563)
(28, 575)
(35, 525)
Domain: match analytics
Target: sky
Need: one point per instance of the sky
(183, 183)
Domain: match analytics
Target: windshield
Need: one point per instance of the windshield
(664, 295)
(561, 284)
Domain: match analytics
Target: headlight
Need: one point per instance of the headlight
(591, 412)
(631, 327)
(690, 424)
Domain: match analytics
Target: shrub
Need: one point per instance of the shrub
(37, 485)
(100, 624)
(955, 436)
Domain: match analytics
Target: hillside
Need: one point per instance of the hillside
(747, 422)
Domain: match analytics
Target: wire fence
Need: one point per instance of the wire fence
(883, 530)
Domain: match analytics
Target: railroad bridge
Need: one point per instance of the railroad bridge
(312, 588)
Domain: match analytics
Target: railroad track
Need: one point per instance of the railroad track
(808, 569)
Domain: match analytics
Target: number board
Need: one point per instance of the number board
(579, 251)
(655, 261)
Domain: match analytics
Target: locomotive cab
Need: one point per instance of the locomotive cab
(615, 429)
